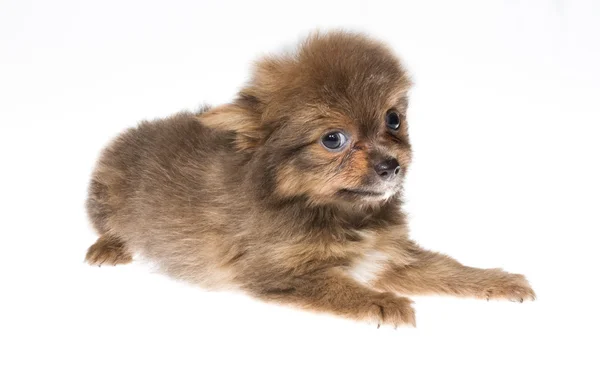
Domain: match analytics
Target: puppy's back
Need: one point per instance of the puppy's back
(154, 172)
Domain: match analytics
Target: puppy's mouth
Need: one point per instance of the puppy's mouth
(366, 194)
(362, 193)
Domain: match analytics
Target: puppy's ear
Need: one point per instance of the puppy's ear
(253, 115)
(241, 117)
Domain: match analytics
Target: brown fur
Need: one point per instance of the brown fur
(245, 196)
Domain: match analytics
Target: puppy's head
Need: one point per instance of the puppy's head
(326, 123)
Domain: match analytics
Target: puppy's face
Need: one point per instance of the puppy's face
(331, 153)
(329, 122)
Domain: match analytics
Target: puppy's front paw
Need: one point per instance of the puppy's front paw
(513, 287)
(392, 310)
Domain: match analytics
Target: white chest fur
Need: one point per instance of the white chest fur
(369, 267)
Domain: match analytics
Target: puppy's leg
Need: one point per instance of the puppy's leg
(333, 292)
(108, 250)
(434, 273)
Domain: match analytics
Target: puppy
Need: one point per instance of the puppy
(292, 193)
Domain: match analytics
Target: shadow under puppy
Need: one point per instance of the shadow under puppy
(291, 193)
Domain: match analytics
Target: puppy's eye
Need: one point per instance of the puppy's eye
(334, 140)
(392, 120)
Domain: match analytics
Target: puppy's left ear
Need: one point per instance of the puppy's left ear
(238, 117)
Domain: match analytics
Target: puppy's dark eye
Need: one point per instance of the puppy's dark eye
(392, 120)
(334, 140)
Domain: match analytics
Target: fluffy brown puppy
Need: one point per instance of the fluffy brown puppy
(291, 193)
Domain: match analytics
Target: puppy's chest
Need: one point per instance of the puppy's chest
(371, 260)
(369, 266)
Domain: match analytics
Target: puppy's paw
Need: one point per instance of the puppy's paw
(512, 287)
(388, 309)
(108, 251)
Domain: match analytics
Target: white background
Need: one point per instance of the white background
(504, 121)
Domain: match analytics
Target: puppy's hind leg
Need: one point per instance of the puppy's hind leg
(108, 250)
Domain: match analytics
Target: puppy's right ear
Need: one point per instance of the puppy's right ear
(238, 117)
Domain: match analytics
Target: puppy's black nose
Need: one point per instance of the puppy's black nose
(387, 169)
